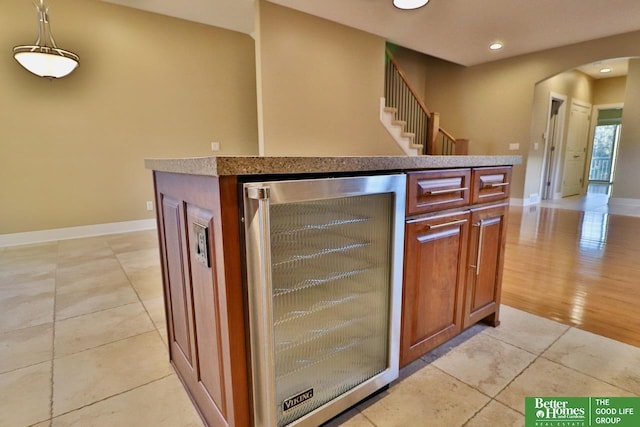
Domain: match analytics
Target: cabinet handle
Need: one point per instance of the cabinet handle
(480, 238)
(261, 321)
(446, 224)
(446, 191)
(495, 184)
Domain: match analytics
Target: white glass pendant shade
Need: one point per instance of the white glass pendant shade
(46, 62)
(44, 58)
(409, 4)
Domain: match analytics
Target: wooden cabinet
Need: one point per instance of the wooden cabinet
(203, 293)
(435, 268)
(486, 256)
(454, 250)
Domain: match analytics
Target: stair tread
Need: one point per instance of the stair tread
(398, 127)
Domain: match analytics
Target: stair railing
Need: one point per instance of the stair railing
(425, 126)
(443, 143)
(400, 95)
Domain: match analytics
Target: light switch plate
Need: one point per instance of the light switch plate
(515, 146)
(201, 234)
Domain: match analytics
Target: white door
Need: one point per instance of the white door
(576, 150)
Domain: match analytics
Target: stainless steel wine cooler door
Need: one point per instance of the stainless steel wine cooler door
(324, 264)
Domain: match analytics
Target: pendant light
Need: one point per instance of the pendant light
(409, 4)
(44, 58)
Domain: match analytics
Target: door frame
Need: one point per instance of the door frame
(595, 110)
(552, 172)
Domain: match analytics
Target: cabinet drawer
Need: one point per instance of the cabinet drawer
(434, 190)
(490, 184)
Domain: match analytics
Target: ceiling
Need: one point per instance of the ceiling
(236, 15)
(618, 67)
(459, 31)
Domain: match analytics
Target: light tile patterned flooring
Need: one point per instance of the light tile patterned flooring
(82, 336)
(83, 343)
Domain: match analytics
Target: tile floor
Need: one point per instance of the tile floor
(83, 343)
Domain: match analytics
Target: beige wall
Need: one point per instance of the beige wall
(627, 173)
(609, 91)
(413, 65)
(72, 150)
(492, 104)
(321, 86)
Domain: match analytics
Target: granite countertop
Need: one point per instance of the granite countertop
(255, 165)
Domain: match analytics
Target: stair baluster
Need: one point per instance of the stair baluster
(418, 121)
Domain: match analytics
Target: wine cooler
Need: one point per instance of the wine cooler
(324, 273)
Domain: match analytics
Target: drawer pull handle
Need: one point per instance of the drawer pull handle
(495, 184)
(446, 224)
(480, 239)
(446, 191)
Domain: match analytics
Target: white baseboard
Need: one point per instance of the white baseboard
(524, 202)
(30, 237)
(621, 201)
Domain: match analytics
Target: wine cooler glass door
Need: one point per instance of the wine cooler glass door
(325, 297)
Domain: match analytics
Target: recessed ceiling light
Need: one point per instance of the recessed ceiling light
(409, 4)
(496, 45)
(605, 70)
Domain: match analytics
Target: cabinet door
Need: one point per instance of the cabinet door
(486, 256)
(435, 251)
(179, 293)
(203, 301)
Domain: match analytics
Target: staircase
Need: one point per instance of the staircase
(397, 129)
(416, 130)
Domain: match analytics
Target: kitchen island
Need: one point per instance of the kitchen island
(455, 217)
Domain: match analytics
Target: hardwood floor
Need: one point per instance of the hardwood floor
(578, 268)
